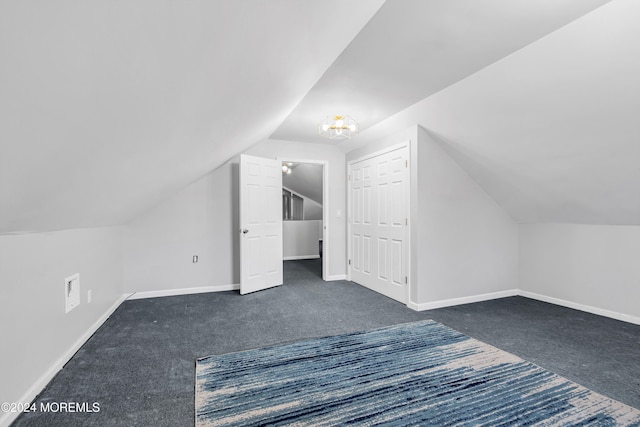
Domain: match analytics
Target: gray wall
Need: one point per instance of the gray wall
(312, 210)
(462, 243)
(300, 239)
(37, 335)
(306, 180)
(467, 243)
(589, 266)
(202, 220)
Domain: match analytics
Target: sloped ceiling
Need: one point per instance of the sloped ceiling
(412, 49)
(107, 107)
(305, 180)
(551, 131)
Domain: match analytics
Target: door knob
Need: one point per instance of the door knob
(245, 231)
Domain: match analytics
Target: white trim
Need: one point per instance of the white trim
(297, 257)
(326, 240)
(463, 300)
(381, 151)
(413, 306)
(582, 307)
(336, 277)
(526, 294)
(39, 385)
(183, 291)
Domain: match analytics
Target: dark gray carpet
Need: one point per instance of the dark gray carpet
(140, 364)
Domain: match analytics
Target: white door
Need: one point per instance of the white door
(378, 212)
(260, 223)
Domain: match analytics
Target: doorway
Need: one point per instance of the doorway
(304, 212)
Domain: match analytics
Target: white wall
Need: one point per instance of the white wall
(463, 245)
(201, 220)
(467, 244)
(37, 336)
(591, 267)
(335, 253)
(301, 239)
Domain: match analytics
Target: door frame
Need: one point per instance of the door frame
(408, 233)
(326, 245)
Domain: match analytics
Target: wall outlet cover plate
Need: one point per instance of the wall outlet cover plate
(71, 292)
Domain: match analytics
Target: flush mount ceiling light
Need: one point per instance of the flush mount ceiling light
(338, 127)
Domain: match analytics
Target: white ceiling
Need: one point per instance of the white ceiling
(108, 107)
(550, 132)
(412, 49)
(306, 180)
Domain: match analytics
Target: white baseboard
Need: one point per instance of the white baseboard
(336, 277)
(7, 418)
(183, 291)
(458, 301)
(298, 257)
(518, 292)
(582, 307)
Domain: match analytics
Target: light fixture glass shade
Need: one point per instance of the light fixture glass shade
(338, 127)
(287, 168)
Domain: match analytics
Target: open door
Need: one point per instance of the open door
(260, 223)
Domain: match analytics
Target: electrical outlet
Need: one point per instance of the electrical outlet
(195, 259)
(88, 296)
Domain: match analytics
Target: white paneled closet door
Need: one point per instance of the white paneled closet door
(378, 222)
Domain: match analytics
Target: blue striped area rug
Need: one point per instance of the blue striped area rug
(419, 373)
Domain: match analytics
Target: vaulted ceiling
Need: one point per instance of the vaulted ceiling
(306, 180)
(412, 49)
(551, 131)
(108, 107)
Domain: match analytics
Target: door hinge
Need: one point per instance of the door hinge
(406, 163)
(406, 221)
(349, 262)
(406, 280)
